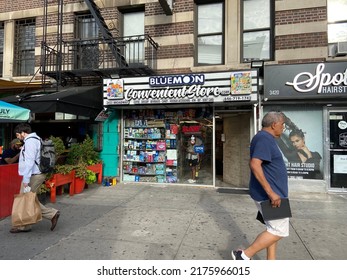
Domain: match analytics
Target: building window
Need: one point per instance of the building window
(337, 27)
(24, 58)
(87, 33)
(210, 37)
(133, 33)
(1, 47)
(257, 30)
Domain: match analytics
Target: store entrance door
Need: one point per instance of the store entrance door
(338, 148)
(232, 136)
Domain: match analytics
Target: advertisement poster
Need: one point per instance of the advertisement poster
(340, 164)
(241, 82)
(114, 88)
(301, 143)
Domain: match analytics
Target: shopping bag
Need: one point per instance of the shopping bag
(26, 209)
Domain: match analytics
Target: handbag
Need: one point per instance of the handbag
(26, 209)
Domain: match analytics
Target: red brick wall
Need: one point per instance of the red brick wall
(306, 40)
(18, 5)
(179, 7)
(301, 16)
(175, 51)
(301, 40)
(170, 29)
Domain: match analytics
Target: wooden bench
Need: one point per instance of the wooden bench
(56, 183)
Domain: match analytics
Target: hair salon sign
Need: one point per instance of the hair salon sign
(302, 81)
(188, 88)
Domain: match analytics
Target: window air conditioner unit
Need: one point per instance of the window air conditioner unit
(342, 48)
(332, 50)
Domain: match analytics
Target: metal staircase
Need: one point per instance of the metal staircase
(105, 32)
(71, 61)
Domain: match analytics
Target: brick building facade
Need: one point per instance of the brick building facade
(195, 37)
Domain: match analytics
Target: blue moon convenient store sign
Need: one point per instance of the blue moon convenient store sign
(217, 87)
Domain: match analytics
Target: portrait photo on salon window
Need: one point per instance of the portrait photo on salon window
(301, 142)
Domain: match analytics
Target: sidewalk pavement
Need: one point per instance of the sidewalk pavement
(164, 222)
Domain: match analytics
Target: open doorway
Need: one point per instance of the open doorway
(232, 138)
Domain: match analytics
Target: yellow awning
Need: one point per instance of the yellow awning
(4, 84)
(12, 87)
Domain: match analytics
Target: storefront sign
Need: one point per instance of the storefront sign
(318, 80)
(196, 88)
(177, 80)
(102, 116)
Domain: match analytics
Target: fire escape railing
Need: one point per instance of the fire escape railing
(95, 57)
(105, 56)
(105, 32)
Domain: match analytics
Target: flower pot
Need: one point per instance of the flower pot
(97, 169)
(79, 185)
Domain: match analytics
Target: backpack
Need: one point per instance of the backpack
(47, 155)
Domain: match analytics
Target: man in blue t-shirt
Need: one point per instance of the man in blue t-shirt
(11, 155)
(269, 181)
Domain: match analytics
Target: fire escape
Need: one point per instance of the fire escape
(71, 61)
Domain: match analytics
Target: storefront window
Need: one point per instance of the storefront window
(210, 40)
(338, 148)
(302, 142)
(257, 30)
(171, 146)
(337, 21)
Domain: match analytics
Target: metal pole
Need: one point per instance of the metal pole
(214, 148)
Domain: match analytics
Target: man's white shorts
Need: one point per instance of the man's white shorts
(276, 227)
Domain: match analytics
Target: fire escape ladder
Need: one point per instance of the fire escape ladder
(105, 32)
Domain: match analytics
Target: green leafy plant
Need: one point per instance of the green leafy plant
(58, 146)
(78, 158)
(91, 177)
(42, 189)
(63, 168)
(83, 173)
(83, 152)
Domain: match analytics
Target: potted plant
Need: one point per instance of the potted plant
(83, 152)
(92, 158)
(82, 156)
(83, 176)
(59, 149)
(63, 174)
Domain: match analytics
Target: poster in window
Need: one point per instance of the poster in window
(241, 82)
(340, 164)
(301, 143)
(114, 89)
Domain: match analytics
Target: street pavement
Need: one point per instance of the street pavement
(165, 222)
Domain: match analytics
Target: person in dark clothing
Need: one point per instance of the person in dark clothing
(11, 155)
(269, 181)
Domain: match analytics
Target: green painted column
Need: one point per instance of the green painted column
(111, 138)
